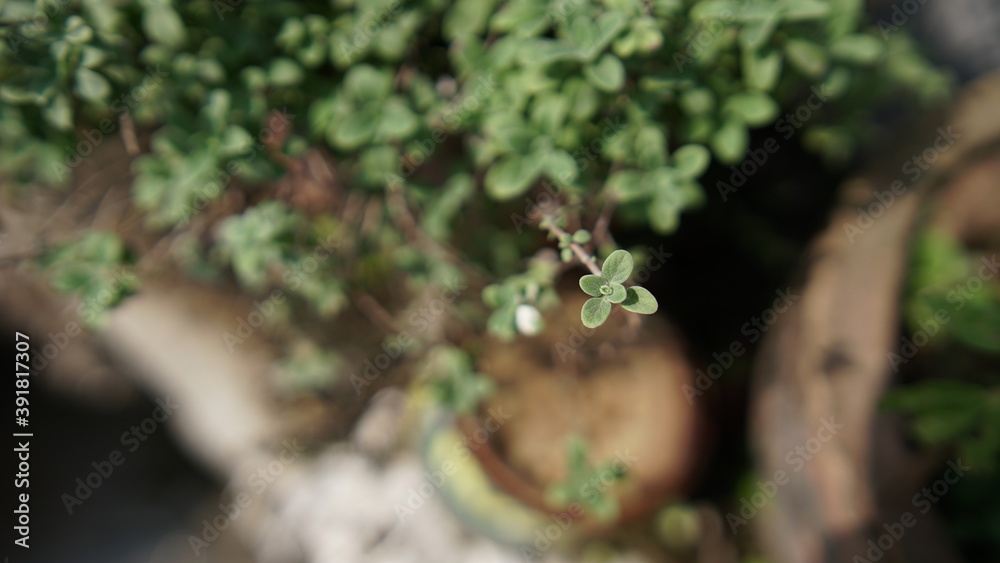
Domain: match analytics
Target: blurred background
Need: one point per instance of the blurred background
(301, 279)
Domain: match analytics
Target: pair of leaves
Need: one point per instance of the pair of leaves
(607, 289)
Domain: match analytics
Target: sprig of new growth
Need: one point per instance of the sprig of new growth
(607, 289)
(604, 285)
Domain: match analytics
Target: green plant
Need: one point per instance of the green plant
(948, 282)
(605, 289)
(954, 412)
(452, 380)
(584, 483)
(434, 118)
(97, 267)
(953, 311)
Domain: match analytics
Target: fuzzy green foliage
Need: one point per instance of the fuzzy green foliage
(449, 374)
(607, 290)
(616, 100)
(586, 483)
(944, 279)
(953, 319)
(97, 267)
(954, 412)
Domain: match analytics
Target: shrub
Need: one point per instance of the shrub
(439, 119)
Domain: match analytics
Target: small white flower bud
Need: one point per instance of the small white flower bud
(528, 320)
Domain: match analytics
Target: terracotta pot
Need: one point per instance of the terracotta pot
(621, 387)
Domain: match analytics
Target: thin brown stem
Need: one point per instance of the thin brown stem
(407, 223)
(129, 137)
(377, 314)
(585, 257)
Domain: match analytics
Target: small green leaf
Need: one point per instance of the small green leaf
(162, 24)
(806, 56)
(804, 10)
(559, 165)
(698, 101)
(566, 255)
(58, 113)
(730, 141)
(285, 72)
(544, 51)
(581, 237)
(664, 210)
(691, 160)
(77, 31)
(618, 266)
(941, 426)
(512, 175)
(761, 70)
(858, 48)
(756, 33)
(618, 293)
(501, 323)
(91, 86)
(493, 295)
(754, 108)
(836, 82)
(354, 131)
(583, 32)
(549, 112)
(608, 73)
(293, 31)
(367, 83)
(595, 312)
(640, 300)
(717, 9)
(397, 121)
(627, 185)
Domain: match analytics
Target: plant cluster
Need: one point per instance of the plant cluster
(606, 289)
(953, 317)
(435, 116)
(587, 484)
